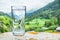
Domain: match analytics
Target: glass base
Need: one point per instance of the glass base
(19, 38)
(18, 33)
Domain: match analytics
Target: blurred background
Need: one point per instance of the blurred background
(41, 16)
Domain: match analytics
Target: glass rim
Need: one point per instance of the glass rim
(18, 7)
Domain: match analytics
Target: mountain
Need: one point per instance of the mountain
(51, 8)
(3, 14)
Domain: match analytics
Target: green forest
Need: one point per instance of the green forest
(46, 19)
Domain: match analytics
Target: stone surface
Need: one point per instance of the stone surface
(27, 36)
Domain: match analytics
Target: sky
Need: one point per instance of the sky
(5, 5)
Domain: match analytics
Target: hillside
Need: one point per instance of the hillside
(44, 12)
(45, 19)
(3, 14)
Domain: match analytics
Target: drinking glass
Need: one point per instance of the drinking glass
(18, 20)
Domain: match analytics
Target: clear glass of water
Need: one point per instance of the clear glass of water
(18, 22)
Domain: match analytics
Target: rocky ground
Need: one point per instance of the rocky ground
(31, 36)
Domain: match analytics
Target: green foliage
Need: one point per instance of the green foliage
(54, 20)
(48, 23)
(50, 31)
(39, 29)
(53, 27)
(27, 23)
(5, 26)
